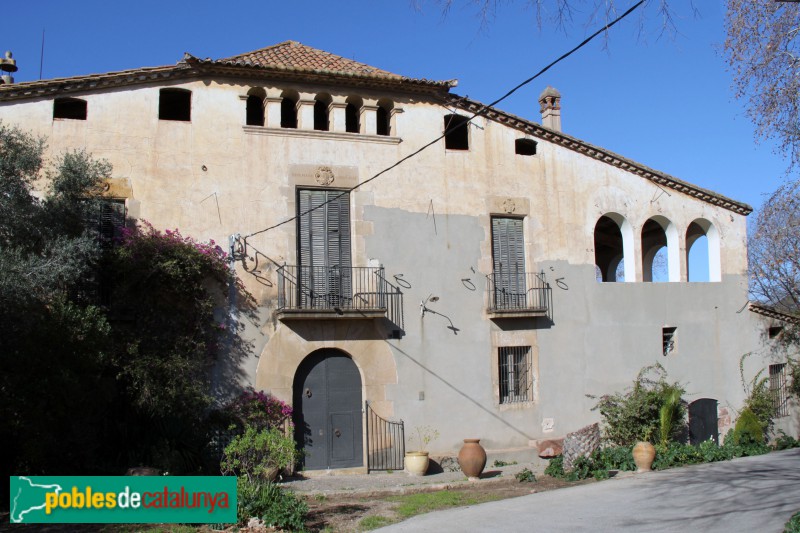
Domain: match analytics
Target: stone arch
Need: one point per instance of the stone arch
(660, 239)
(255, 106)
(322, 105)
(361, 340)
(697, 229)
(613, 247)
(289, 100)
(383, 118)
(352, 114)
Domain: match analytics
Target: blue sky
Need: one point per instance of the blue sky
(664, 102)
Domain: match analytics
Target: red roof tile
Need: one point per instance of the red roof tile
(294, 55)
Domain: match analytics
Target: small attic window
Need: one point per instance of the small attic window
(175, 104)
(255, 110)
(456, 132)
(288, 112)
(525, 147)
(70, 108)
(321, 119)
(351, 124)
(383, 117)
(775, 331)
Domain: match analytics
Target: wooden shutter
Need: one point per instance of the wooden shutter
(324, 247)
(508, 254)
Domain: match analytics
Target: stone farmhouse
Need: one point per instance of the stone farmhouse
(482, 286)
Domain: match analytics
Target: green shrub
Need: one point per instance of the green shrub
(793, 525)
(276, 507)
(748, 429)
(636, 415)
(555, 468)
(525, 476)
(258, 454)
(676, 454)
(614, 458)
(786, 442)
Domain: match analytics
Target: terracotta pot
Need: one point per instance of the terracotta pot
(472, 458)
(643, 455)
(416, 463)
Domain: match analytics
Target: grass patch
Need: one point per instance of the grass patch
(374, 522)
(793, 525)
(425, 502)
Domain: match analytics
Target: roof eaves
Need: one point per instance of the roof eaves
(279, 69)
(770, 312)
(39, 88)
(601, 154)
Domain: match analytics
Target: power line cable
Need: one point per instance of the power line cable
(456, 127)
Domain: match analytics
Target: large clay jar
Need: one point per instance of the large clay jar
(472, 458)
(643, 455)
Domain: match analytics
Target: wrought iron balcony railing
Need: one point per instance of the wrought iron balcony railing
(523, 293)
(339, 290)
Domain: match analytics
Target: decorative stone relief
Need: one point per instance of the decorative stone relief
(548, 424)
(324, 175)
(509, 206)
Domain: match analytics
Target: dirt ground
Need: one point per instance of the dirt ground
(344, 513)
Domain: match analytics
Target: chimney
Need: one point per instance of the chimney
(550, 106)
(8, 65)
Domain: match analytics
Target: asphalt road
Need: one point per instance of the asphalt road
(751, 494)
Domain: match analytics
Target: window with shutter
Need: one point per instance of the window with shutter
(508, 255)
(324, 248)
(112, 220)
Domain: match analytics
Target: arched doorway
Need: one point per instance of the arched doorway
(327, 410)
(703, 423)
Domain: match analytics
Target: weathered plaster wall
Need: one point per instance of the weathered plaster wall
(428, 219)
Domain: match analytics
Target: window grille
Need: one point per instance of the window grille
(516, 376)
(777, 389)
(668, 340)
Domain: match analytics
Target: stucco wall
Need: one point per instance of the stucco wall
(429, 220)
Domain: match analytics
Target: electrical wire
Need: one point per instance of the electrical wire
(463, 124)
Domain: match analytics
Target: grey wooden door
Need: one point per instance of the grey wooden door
(703, 423)
(327, 403)
(508, 255)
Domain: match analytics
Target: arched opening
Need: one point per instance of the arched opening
(352, 115)
(255, 107)
(456, 132)
(289, 109)
(703, 421)
(384, 117)
(327, 402)
(613, 242)
(703, 251)
(322, 103)
(659, 250)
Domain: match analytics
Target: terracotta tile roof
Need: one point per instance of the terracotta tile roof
(295, 55)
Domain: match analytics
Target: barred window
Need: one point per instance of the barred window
(668, 340)
(777, 388)
(516, 377)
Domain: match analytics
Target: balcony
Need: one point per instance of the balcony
(518, 295)
(332, 292)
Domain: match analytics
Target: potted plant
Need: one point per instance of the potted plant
(416, 462)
